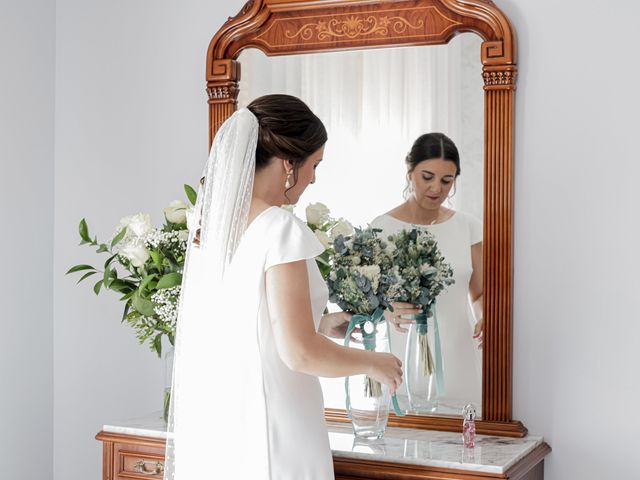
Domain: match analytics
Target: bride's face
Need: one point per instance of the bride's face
(306, 175)
(432, 180)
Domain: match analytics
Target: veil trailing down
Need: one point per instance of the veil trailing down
(212, 368)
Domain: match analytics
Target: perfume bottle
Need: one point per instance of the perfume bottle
(469, 426)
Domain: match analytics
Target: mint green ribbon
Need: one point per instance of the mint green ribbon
(369, 342)
(422, 329)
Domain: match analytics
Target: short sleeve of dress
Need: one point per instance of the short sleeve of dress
(476, 233)
(290, 240)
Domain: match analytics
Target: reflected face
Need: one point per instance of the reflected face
(431, 182)
(306, 175)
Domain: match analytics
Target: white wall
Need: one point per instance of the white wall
(131, 124)
(27, 34)
(131, 128)
(576, 247)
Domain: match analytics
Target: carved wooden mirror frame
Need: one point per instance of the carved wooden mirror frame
(285, 27)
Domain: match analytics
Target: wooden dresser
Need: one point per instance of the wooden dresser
(134, 449)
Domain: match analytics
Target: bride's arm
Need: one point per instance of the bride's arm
(476, 291)
(303, 349)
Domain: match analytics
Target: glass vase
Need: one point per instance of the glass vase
(420, 367)
(368, 399)
(168, 376)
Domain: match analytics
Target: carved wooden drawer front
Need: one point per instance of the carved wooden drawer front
(131, 464)
(128, 457)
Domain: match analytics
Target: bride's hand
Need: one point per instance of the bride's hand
(387, 369)
(478, 332)
(402, 308)
(335, 324)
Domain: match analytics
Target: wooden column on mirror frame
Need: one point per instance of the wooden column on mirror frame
(222, 90)
(499, 74)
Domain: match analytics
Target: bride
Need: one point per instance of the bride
(433, 166)
(251, 339)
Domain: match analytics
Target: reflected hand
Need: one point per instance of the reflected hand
(478, 332)
(402, 308)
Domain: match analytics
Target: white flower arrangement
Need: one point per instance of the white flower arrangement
(153, 262)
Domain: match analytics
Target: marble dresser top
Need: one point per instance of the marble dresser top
(399, 445)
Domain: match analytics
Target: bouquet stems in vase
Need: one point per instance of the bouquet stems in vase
(422, 274)
(423, 365)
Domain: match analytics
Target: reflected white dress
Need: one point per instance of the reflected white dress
(283, 434)
(462, 361)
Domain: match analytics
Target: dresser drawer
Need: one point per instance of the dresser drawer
(138, 464)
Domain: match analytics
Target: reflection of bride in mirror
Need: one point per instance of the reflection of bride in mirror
(433, 166)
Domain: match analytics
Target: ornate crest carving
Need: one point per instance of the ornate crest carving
(221, 93)
(247, 6)
(503, 77)
(376, 24)
(354, 26)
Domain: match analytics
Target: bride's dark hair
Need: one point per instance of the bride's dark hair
(430, 146)
(288, 130)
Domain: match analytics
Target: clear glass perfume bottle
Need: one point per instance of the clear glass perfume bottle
(469, 426)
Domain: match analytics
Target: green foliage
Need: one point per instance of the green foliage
(150, 291)
(361, 274)
(191, 194)
(421, 268)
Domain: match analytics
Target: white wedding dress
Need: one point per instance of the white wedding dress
(462, 361)
(280, 428)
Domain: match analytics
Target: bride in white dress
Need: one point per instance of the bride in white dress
(433, 165)
(252, 339)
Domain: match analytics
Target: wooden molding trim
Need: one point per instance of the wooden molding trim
(287, 27)
(534, 458)
(130, 439)
(439, 422)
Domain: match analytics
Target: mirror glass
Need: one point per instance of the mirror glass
(375, 104)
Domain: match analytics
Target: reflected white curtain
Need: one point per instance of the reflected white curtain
(375, 103)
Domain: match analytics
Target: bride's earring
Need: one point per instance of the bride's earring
(287, 183)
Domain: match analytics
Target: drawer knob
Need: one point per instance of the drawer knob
(141, 467)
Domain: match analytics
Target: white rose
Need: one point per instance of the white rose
(317, 213)
(176, 212)
(136, 254)
(323, 237)
(137, 225)
(343, 228)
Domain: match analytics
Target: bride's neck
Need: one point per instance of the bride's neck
(265, 193)
(421, 215)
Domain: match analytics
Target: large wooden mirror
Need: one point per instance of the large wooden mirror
(470, 80)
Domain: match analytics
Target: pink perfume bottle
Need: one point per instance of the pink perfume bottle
(469, 426)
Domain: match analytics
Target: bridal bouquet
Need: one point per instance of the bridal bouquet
(359, 282)
(422, 273)
(144, 266)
